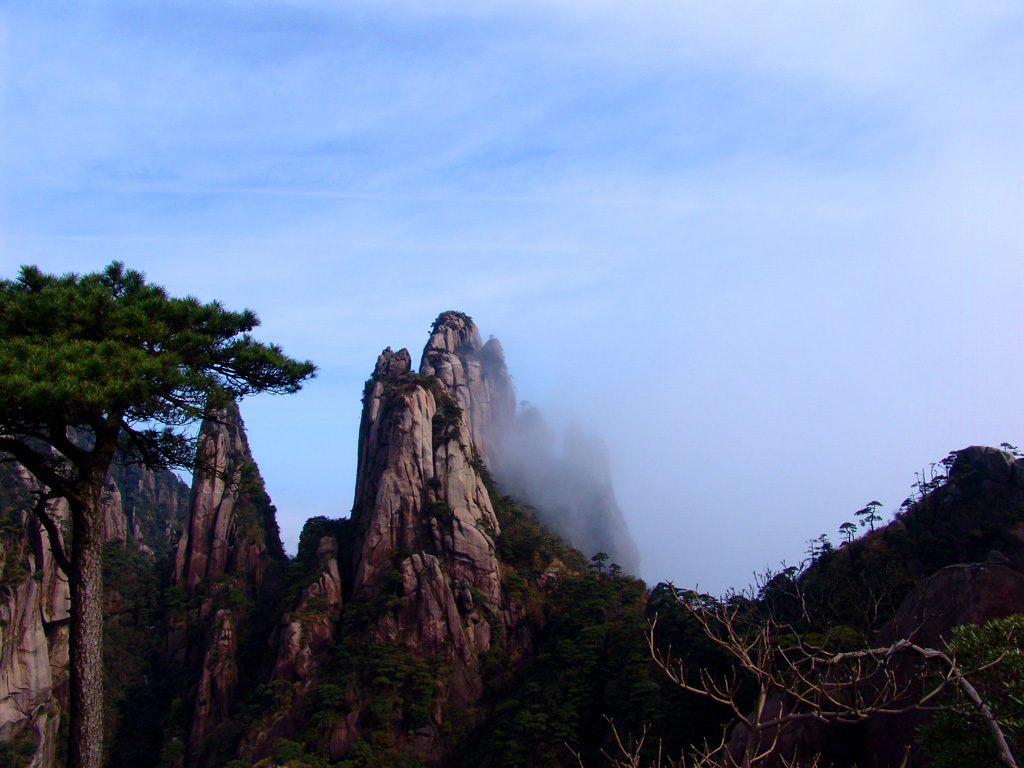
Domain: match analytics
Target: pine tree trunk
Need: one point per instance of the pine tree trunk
(86, 641)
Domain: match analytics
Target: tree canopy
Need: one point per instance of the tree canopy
(104, 362)
(108, 348)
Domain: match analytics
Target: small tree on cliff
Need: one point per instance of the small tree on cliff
(101, 363)
(848, 531)
(869, 515)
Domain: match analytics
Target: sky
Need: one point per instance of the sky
(772, 253)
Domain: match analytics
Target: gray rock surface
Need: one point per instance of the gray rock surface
(309, 630)
(427, 526)
(474, 374)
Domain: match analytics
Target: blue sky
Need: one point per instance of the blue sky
(771, 252)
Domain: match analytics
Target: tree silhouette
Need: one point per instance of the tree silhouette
(848, 531)
(869, 515)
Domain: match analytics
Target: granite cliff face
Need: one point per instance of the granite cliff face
(230, 527)
(228, 549)
(421, 546)
(410, 589)
(413, 581)
(307, 632)
(421, 504)
(571, 491)
(303, 640)
(34, 613)
(474, 374)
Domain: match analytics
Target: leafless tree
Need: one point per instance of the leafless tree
(794, 682)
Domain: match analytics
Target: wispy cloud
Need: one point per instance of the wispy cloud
(772, 249)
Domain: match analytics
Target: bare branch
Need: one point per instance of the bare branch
(802, 682)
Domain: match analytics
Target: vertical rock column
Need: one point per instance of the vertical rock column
(226, 530)
(425, 519)
(474, 374)
(228, 539)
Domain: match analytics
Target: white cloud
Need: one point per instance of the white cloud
(772, 249)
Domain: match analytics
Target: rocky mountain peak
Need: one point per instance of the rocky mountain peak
(230, 523)
(426, 523)
(989, 466)
(228, 543)
(475, 375)
(572, 493)
(452, 332)
(392, 364)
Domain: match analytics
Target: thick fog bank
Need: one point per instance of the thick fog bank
(572, 493)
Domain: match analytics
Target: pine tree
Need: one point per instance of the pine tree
(870, 514)
(105, 363)
(848, 531)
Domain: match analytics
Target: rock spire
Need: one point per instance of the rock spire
(228, 542)
(426, 518)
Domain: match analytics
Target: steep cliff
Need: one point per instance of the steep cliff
(412, 582)
(227, 564)
(230, 526)
(474, 374)
(33, 626)
(304, 639)
(570, 490)
(399, 620)
(426, 519)
(378, 642)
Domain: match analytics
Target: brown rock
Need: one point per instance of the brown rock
(229, 539)
(426, 520)
(992, 463)
(115, 524)
(33, 640)
(210, 526)
(392, 364)
(25, 675)
(217, 693)
(307, 632)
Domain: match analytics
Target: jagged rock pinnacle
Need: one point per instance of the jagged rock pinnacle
(392, 363)
(475, 375)
(225, 486)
